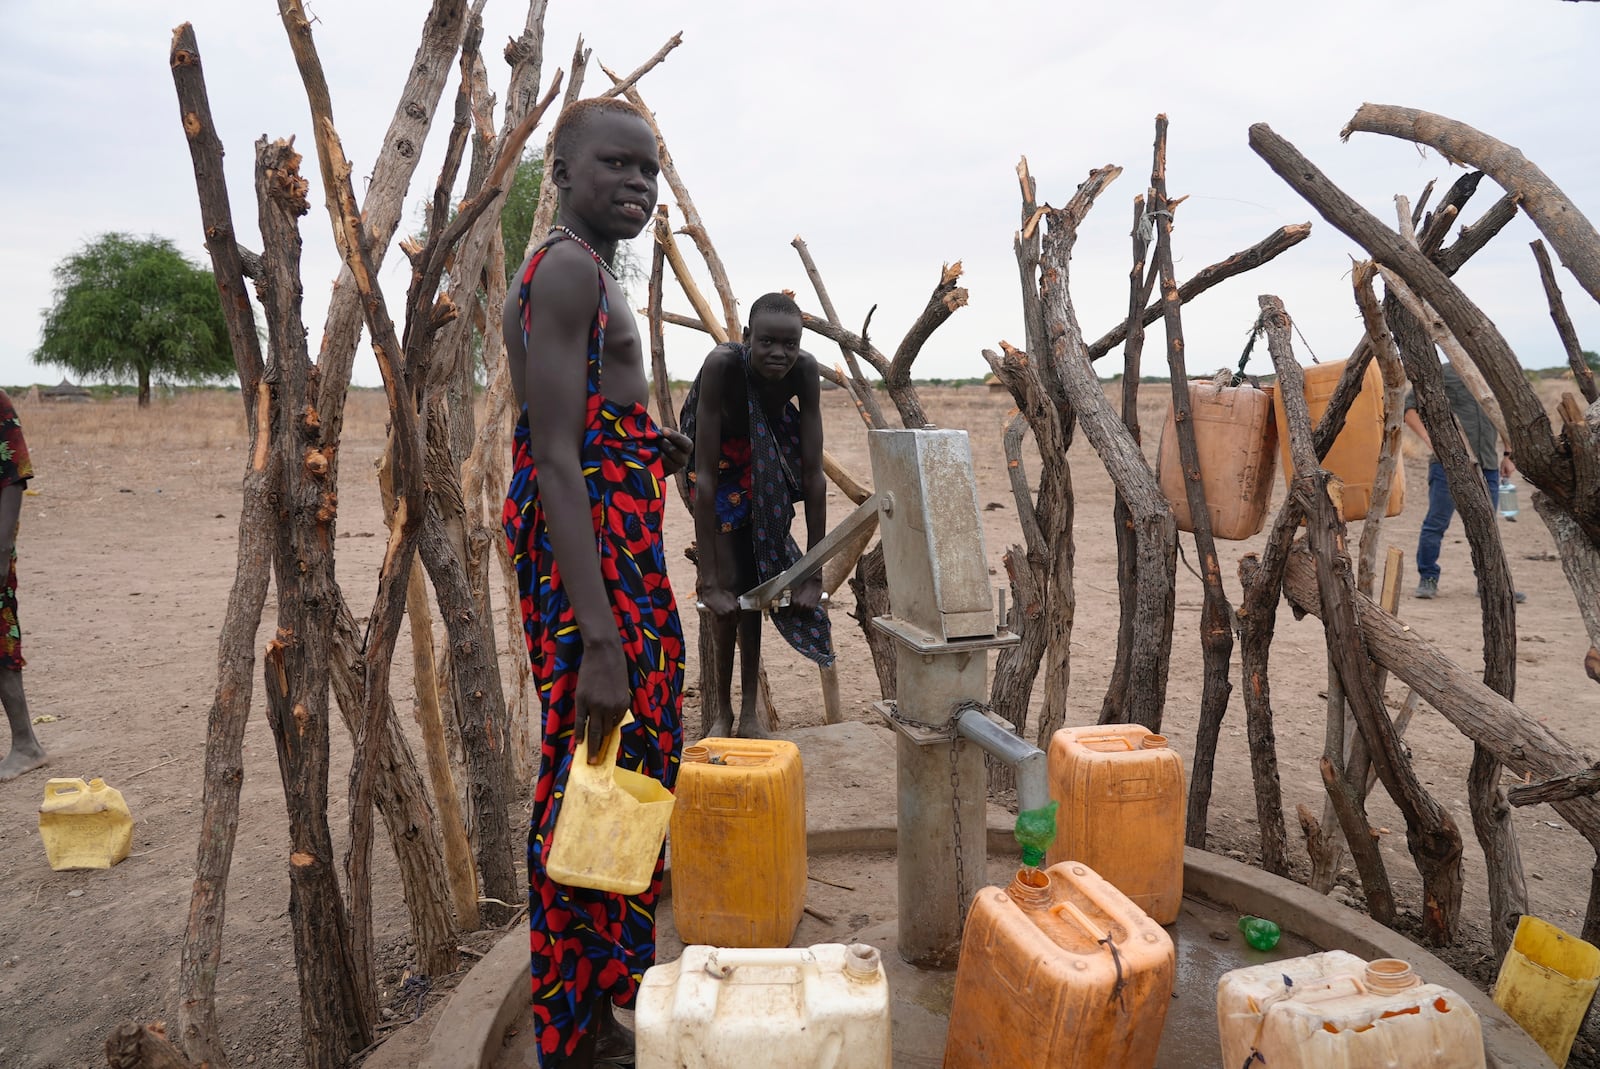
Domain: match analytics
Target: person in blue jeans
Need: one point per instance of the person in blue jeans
(1484, 441)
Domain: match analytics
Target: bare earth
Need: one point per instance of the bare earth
(127, 554)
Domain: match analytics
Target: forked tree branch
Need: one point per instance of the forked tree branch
(1558, 219)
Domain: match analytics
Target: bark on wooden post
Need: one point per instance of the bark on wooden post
(1140, 285)
(1582, 374)
(334, 1024)
(1154, 526)
(1490, 813)
(1261, 577)
(1431, 834)
(1216, 614)
(230, 707)
(1514, 735)
(443, 542)
(1538, 455)
(1344, 750)
(1566, 228)
(134, 1046)
(1041, 569)
(865, 396)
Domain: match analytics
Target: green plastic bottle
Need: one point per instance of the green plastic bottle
(1036, 830)
(1259, 932)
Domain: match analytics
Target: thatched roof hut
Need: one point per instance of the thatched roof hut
(66, 391)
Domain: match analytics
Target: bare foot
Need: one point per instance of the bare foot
(721, 727)
(751, 727)
(20, 762)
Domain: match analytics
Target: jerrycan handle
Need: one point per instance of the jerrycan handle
(721, 962)
(1081, 919)
(604, 773)
(1106, 743)
(57, 787)
(1322, 989)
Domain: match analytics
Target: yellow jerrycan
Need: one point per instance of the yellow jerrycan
(1354, 456)
(1546, 983)
(612, 824)
(739, 843)
(84, 825)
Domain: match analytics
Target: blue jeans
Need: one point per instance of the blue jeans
(1441, 507)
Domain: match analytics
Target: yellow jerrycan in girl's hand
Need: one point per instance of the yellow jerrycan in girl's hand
(84, 825)
(611, 826)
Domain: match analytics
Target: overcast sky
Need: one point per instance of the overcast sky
(886, 135)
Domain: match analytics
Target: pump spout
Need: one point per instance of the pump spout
(996, 738)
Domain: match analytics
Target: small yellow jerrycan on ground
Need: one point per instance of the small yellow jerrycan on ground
(84, 825)
(612, 824)
(1546, 983)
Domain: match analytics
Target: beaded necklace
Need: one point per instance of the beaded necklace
(601, 260)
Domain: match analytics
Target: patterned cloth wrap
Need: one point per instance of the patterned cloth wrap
(775, 486)
(586, 944)
(733, 485)
(15, 469)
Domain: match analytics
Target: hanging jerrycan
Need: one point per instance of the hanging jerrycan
(84, 825)
(1059, 971)
(1335, 1011)
(1122, 796)
(1354, 456)
(1237, 440)
(819, 1007)
(1546, 983)
(738, 843)
(612, 824)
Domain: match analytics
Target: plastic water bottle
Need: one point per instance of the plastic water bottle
(1508, 499)
(1259, 932)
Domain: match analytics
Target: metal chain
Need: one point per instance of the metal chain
(955, 812)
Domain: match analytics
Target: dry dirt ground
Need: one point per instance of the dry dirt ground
(127, 554)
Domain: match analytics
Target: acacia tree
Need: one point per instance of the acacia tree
(127, 306)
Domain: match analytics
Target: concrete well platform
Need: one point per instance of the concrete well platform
(850, 802)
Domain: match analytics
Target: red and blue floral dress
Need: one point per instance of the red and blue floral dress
(586, 944)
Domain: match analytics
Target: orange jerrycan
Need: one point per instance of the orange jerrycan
(612, 824)
(1122, 801)
(1059, 971)
(1336, 1011)
(1546, 983)
(1354, 456)
(1237, 440)
(739, 843)
(84, 825)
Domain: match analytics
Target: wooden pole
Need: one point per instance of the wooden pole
(1216, 614)
(1558, 219)
(1431, 833)
(1581, 372)
(230, 706)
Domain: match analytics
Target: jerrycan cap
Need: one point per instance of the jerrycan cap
(1030, 889)
(1153, 742)
(696, 755)
(1388, 976)
(863, 962)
